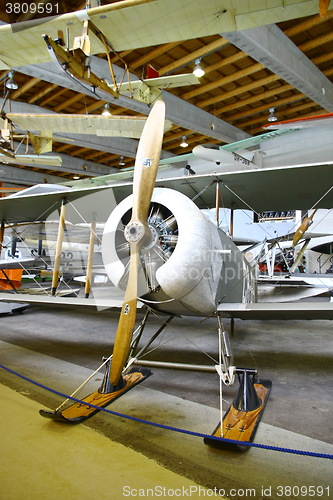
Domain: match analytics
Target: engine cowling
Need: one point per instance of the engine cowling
(188, 265)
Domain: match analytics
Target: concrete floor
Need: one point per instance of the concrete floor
(60, 348)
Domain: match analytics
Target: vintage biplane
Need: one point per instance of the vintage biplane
(167, 256)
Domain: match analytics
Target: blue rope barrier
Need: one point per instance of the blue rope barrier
(171, 428)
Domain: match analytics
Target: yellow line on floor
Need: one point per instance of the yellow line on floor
(44, 459)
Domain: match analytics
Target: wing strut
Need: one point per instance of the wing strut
(90, 258)
(57, 257)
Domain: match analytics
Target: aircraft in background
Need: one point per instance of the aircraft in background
(73, 37)
(325, 119)
(118, 22)
(45, 125)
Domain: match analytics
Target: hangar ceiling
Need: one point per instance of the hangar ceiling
(285, 66)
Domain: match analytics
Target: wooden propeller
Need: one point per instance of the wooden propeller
(306, 223)
(137, 231)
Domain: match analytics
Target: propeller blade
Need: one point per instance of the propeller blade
(146, 162)
(127, 318)
(145, 171)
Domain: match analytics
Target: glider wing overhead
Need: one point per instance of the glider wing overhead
(118, 126)
(131, 24)
(162, 82)
(51, 160)
(232, 147)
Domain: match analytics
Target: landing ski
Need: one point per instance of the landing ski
(241, 420)
(78, 412)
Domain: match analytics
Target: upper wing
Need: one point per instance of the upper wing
(282, 188)
(130, 24)
(37, 207)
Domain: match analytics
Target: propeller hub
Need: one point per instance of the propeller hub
(134, 231)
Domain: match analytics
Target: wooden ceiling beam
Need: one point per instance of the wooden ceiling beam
(118, 56)
(79, 151)
(177, 135)
(183, 61)
(68, 102)
(226, 61)
(265, 107)
(94, 155)
(109, 157)
(302, 26)
(63, 147)
(42, 93)
(322, 58)
(257, 97)
(237, 75)
(153, 54)
(238, 90)
(54, 96)
(293, 110)
(24, 88)
(316, 42)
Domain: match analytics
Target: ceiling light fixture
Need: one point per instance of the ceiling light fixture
(10, 83)
(183, 144)
(198, 70)
(272, 117)
(106, 110)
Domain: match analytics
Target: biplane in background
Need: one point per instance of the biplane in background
(167, 256)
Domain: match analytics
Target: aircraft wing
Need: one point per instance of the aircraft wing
(277, 310)
(16, 263)
(306, 122)
(38, 207)
(52, 160)
(118, 126)
(162, 82)
(282, 188)
(232, 147)
(114, 301)
(131, 24)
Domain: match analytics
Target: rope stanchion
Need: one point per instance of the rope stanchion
(168, 427)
